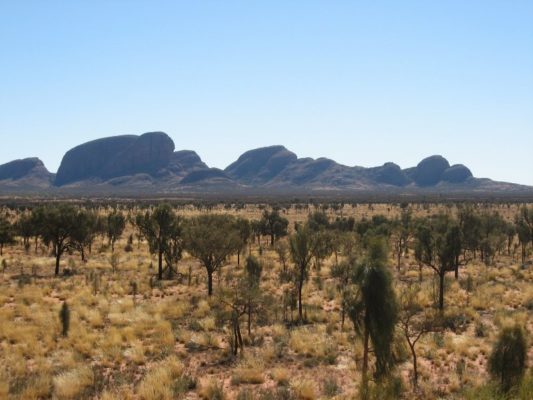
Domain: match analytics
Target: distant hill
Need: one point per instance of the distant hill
(148, 163)
(28, 173)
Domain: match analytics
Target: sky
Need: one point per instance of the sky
(361, 82)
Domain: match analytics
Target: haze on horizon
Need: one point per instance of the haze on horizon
(362, 83)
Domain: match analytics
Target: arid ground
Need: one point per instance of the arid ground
(133, 336)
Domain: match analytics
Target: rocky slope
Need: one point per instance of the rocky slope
(28, 172)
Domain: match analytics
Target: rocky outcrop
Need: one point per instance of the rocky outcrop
(305, 171)
(149, 163)
(259, 166)
(26, 172)
(457, 173)
(116, 156)
(184, 162)
(277, 166)
(429, 171)
(390, 174)
(19, 169)
(147, 154)
(89, 160)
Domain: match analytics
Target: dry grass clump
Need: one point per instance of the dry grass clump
(281, 376)
(211, 390)
(304, 389)
(202, 309)
(249, 370)
(207, 324)
(171, 309)
(158, 383)
(313, 342)
(122, 393)
(4, 387)
(39, 387)
(71, 384)
(136, 352)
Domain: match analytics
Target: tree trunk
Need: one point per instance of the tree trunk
(58, 258)
(415, 364)
(300, 311)
(441, 290)
(249, 319)
(399, 257)
(364, 377)
(235, 339)
(239, 336)
(343, 314)
(239, 258)
(160, 265)
(209, 282)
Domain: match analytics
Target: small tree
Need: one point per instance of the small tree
(492, 235)
(25, 228)
(401, 235)
(84, 233)
(6, 233)
(116, 222)
(274, 225)
(212, 238)
(230, 307)
(414, 322)
(58, 226)
(342, 273)
(508, 358)
(282, 250)
(324, 246)
(373, 309)
(251, 288)
(302, 246)
(437, 247)
(245, 232)
(470, 225)
(64, 316)
(164, 232)
(524, 229)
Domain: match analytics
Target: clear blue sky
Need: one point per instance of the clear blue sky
(362, 82)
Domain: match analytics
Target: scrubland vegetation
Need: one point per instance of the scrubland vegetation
(295, 301)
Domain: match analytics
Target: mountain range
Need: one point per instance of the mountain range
(150, 163)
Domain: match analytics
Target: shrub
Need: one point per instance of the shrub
(508, 357)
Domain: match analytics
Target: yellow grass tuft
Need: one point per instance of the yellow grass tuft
(71, 384)
(157, 383)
